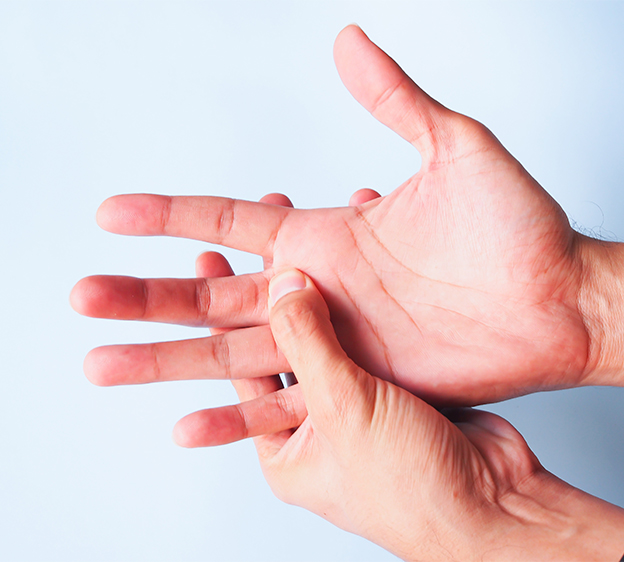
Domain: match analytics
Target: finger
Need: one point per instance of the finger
(277, 199)
(238, 354)
(235, 302)
(274, 413)
(289, 378)
(300, 322)
(274, 199)
(379, 84)
(362, 196)
(213, 264)
(244, 225)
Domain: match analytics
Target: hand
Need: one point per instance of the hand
(213, 265)
(377, 461)
(464, 285)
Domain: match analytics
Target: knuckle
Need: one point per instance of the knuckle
(242, 421)
(203, 298)
(295, 314)
(220, 354)
(385, 96)
(225, 220)
(255, 297)
(165, 213)
(286, 408)
(145, 294)
(157, 373)
(339, 403)
(348, 403)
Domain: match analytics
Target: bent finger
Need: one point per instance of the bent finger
(270, 414)
(333, 386)
(277, 199)
(362, 196)
(213, 264)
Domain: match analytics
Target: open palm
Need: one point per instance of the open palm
(461, 286)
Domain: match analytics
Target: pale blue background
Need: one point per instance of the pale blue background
(241, 99)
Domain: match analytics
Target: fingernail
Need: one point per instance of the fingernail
(284, 283)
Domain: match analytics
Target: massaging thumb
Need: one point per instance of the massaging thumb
(302, 329)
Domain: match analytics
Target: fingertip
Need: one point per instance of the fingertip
(277, 199)
(286, 282)
(204, 428)
(379, 84)
(301, 326)
(105, 211)
(108, 296)
(181, 436)
(362, 196)
(96, 367)
(113, 365)
(347, 34)
(76, 300)
(212, 264)
(134, 214)
(297, 312)
(83, 295)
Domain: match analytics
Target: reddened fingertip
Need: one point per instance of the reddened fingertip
(285, 283)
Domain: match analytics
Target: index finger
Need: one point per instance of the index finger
(243, 225)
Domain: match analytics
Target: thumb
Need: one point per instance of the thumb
(381, 86)
(331, 383)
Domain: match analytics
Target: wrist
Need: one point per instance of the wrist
(601, 305)
(547, 519)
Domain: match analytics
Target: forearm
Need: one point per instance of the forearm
(544, 519)
(601, 304)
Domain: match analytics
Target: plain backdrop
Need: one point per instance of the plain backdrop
(242, 99)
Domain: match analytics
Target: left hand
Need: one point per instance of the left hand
(464, 285)
(376, 460)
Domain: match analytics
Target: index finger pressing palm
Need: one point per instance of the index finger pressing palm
(461, 285)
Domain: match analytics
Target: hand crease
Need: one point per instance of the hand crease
(203, 299)
(156, 362)
(385, 96)
(244, 422)
(165, 214)
(226, 220)
(360, 215)
(373, 329)
(371, 231)
(479, 322)
(272, 239)
(222, 354)
(145, 299)
(381, 283)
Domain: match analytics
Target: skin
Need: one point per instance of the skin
(464, 285)
(376, 460)
(279, 409)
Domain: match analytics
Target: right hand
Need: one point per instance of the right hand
(377, 461)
